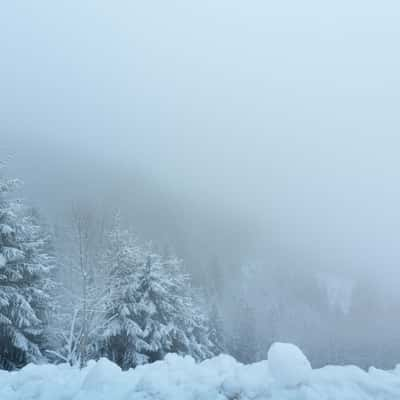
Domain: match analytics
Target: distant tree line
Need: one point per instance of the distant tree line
(334, 319)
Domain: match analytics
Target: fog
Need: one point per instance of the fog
(255, 130)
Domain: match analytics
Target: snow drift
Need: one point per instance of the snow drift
(286, 375)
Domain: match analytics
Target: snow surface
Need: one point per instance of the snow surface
(220, 378)
(288, 365)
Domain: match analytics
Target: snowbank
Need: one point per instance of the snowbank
(288, 365)
(287, 375)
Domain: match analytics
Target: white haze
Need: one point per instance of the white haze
(280, 116)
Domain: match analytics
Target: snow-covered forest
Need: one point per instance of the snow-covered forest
(88, 287)
(84, 306)
(91, 290)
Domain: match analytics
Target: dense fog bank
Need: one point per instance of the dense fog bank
(258, 143)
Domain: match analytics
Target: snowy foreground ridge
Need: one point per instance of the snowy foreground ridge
(286, 375)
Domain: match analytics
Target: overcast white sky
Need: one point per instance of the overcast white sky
(286, 112)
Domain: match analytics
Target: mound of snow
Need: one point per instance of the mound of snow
(220, 378)
(288, 365)
(102, 373)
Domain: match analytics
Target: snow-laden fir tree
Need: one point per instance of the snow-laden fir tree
(154, 309)
(122, 339)
(171, 317)
(24, 281)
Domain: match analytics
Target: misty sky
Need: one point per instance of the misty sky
(285, 113)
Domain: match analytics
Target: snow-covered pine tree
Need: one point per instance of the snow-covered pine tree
(216, 327)
(122, 337)
(180, 309)
(24, 281)
(155, 311)
(242, 328)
